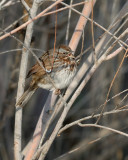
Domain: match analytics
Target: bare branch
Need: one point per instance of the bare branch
(25, 5)
(89, 117)
(107, 31)
(29, 21)
(103, 127)
(21, 84)
(68, 24)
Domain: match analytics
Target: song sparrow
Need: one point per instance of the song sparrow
(60, 66)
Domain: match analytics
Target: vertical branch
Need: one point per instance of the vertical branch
(21, 84)
(69, 16)
(80, 25)
(39, 129)
(55, 36)
(93, 41)
(73, 44)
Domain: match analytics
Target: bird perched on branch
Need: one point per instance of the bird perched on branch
(59, 68)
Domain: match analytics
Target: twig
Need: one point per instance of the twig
(55, 36)
(68, 24)
(77, 149)
(89, 117)
(2, 2)
(8, 4)
(111, 27)
(93, 41)
(14, 23)
(114, 43)
(84, 145)
(30, 20)
(25, 5)
(113, 54)
(110, 87)
(58, 10)
(107, 31)
(20, 49)
(103, 127)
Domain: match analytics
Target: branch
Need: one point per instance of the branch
(104, 29)
(25, 5)
(49, 13)
(87, 64)
(81, 24)
(21, 84)
(104, 127)
(45, 114)
(89, 117)
(113, 54)
(30, 20)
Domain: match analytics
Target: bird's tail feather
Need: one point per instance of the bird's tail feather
(25, 97)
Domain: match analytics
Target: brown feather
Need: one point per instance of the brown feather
(26, 96)
(47, 61)
(52, 61)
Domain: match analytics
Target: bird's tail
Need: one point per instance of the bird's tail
(25, 97)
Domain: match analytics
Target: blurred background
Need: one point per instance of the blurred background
(110, 146)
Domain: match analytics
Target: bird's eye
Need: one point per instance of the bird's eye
(73, 58)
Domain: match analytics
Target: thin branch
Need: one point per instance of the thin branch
(49, 13)
(14, 23)
(85, 144)
(68, 24)
(112, 82)
(107, 31)
(89, 117)
(93, 41)
(112, 27)
(2, 2)
(113, 54)
(55, 36)
(25, 5)
(20, 49)
(30, 20)
(116, 74)
(4, 5)
(114, 43)
(77, 149)
(104, 127)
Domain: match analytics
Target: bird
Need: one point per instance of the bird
(59, 69)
